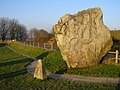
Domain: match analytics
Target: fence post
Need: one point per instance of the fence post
(51, 46)
(116, 59)
(24, 42)
(38, 44)
(33, 44)
(30, 43)
(27, 43)
(44, 45)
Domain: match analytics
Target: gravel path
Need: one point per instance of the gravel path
(85, 79)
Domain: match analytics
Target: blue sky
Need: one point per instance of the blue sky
(43, 14)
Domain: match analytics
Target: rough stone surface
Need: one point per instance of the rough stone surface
(40, 72)
(83, 39)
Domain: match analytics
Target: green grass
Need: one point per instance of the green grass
(103, 70)
(52, 59)
(55, 63)
(115, 34)
(116, 39)
(13, 76)
(29, 50)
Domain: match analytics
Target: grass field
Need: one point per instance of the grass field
(13, 76)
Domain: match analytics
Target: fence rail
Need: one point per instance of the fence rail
(50, 46)
(116, 56)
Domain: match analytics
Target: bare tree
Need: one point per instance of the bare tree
(21, 32)
(4, 27)
(13, 28)
(31, 33)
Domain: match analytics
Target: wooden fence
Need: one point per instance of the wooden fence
(44, 45)
(49, 44)
(116, 56)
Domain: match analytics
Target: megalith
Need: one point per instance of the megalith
(82, 38)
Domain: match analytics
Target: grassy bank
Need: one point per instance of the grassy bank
(13, 76)
(116, 39)
(52, 59)
(115, 34)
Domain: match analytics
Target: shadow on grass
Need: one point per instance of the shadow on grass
(3, 44)
(61, 71)
(118, 85)
(17, 73)
(15, 62)
(11, 58)
(43, 55)
(13, 74)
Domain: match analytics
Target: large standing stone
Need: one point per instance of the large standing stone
(40, 72)
(83, 39)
